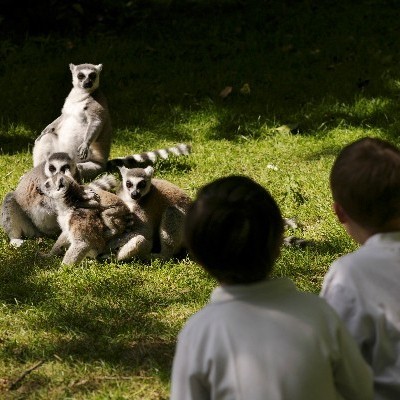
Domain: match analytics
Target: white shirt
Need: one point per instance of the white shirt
(364, 288)
(267, 341)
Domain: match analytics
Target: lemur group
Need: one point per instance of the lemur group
(71, 190)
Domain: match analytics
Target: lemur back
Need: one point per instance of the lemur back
(86, 224)
(83, 130)
(159, 208)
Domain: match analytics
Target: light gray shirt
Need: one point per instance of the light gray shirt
(364, 288)
(267, 341)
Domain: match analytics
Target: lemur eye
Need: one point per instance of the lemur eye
(52, 168)
(80, 76)
(92, 75)
(129, 184)
(141, 185)
(64, 168)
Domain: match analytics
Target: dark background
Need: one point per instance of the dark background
(307, 62)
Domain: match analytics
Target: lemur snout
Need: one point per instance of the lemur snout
(135, 195)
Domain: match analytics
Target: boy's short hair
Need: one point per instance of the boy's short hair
(234, 229)
(365, 182)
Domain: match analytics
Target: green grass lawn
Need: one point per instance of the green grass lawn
(319, 77)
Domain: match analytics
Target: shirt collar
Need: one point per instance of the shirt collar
(384, 239)
(236, 292)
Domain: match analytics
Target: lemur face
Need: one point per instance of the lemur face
(86, 76)
(56, 186)
(59, 163)
(136, 181)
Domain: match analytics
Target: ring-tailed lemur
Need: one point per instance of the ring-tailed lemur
(83, 130)
(84, 227)
(148, 157)
(26, 212)
(158, 209)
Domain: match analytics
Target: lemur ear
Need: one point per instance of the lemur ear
(149, 171)
(99, 67)
(122, 170)
(72, 67)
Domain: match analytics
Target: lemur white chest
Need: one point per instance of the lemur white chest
(63, 219)
(44, 218)
(136, 209)
(74, 121)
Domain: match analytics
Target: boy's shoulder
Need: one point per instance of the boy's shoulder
(367, 260)
(346, 271)
(360, 270)
(292, 303)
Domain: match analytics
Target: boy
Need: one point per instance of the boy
(364, 286)
(258, 338)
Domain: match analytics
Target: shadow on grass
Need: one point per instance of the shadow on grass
(86, 314)
(18, 266)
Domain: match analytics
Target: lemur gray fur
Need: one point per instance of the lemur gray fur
(83, 130)
(158, 209)
(86, 228)
(26, 212)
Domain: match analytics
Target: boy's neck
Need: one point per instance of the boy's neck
(361, 234)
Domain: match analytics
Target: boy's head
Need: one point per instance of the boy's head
(365, 183)
(234, 229)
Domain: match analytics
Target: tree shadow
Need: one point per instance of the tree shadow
(304, 62)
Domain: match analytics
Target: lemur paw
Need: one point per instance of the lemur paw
(91, 194)
(130, 220)
(293, 241)
(17, 242)
(45, 255)
(290, 223)
(83, 151)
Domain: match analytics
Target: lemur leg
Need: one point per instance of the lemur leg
(90, 169)
(119, 241)
(58, 247)
(76, 253)
(171, 233)
(135, 246)
(114, 221)
(15, 222)
(45, 145)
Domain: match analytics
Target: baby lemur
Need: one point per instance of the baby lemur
(83, 130)
(158, 208)
(86, 224)
(26, 212)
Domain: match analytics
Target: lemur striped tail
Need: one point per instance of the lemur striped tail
(148, 157)
(105, 182)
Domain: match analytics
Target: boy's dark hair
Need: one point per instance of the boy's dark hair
(365, 182)
(234, 229)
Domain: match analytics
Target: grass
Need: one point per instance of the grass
(319, 77)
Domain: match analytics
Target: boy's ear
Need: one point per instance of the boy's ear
(340, 213)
